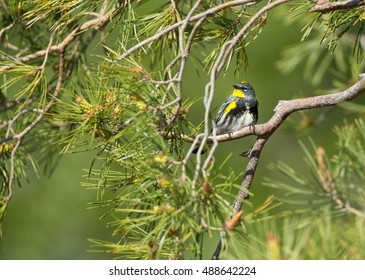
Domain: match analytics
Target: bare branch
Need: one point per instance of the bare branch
(327, 6)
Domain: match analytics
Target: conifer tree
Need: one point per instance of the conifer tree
(109, 76)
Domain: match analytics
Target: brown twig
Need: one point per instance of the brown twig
(327, 6)
(324, 174)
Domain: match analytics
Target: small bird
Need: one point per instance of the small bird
(237, 111)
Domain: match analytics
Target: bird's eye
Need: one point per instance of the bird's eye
(244, 88)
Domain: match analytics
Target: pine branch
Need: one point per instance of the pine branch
(327, 181)
(183, 22)
(221, 60)
(264, 132)
(100, 21)
(327, 6)
(20, 136)
(102, 18)
(284, 108)
(186, 30)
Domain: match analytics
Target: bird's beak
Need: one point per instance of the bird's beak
(236, 86)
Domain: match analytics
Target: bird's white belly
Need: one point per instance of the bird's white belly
(244, 120)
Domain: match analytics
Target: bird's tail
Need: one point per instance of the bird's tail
(205, 148)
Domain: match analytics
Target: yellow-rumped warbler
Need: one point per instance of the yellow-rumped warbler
(238, 110)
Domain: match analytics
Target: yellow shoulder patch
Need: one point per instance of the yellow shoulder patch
(231, 106)
(238, 93)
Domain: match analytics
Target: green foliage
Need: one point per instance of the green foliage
(160, 201)
(312, 207)
(331, 45)
(136, 172)
(336, 180)
(224, 26)
(303, 236)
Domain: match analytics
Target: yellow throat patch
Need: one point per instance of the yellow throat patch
(238, 93)
(231, 106)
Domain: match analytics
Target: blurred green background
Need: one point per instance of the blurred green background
(48, 217)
